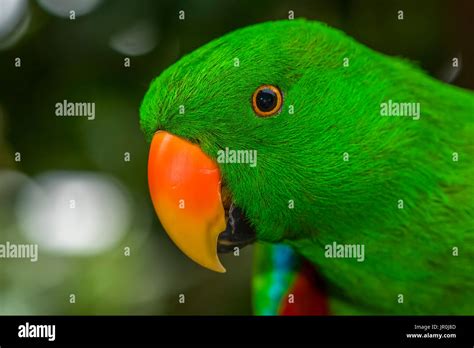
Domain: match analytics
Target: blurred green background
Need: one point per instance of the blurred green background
(47, 161)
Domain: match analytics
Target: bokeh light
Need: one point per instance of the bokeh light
(73, 212)
(14, 21)
(62, 8)
(136, 40)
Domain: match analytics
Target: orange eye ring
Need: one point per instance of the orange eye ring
(267, 100)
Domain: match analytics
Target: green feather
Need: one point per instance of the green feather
(276, 268)
(408, 251)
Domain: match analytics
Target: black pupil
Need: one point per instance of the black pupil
(266, 100)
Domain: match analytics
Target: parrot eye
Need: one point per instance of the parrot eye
(267, 100)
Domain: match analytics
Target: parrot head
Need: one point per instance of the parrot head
(235, 129)
(274, 133)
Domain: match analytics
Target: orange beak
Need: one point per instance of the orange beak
(185, 187)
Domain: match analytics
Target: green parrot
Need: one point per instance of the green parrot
(351, 170)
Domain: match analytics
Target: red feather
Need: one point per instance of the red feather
(308, 293)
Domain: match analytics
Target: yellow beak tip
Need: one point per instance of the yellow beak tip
(221, 270)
